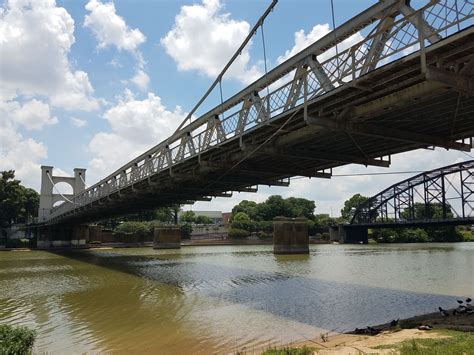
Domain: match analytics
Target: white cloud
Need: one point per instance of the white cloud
(303, 40)
(20, 154)
(111, 29)
(77, 122)
(137, 125)
(35, 40)
(204, 38)
(33, 115)
(141, 79)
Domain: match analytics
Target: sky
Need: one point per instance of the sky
(95, 83)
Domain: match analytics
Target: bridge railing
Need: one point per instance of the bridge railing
(392, 29)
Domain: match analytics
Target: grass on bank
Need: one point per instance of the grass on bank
(16, 340)
(453, 343)
(289, 351)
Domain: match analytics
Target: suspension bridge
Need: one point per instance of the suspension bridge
(392, 79)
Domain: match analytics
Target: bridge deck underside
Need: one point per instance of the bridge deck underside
(395, 98)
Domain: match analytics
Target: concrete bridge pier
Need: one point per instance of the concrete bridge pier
(290, 236)
(62, 236)
(337, 234)
(80, 235)
(54, 237)
(44, 238)
(167, 237)
(357, 235)
(349, 234)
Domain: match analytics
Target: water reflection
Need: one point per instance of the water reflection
(205, 299)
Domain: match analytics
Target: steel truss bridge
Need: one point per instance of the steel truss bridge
(392, 79)
(449, 189)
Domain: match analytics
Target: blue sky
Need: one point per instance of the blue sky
(94, 83)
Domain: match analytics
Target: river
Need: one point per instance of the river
(222, 298)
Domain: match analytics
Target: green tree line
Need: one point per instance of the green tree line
(18, 204)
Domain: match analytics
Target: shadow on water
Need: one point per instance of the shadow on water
(312, 301)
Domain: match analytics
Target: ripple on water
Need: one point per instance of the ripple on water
(202, 300)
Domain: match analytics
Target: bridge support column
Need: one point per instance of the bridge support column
(167, 237)
(44, 238)
(61, 236)
(80, 234)
(94, 234)
(290, 236)
(356, 235)
(337, 234)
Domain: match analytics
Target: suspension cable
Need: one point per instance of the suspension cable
(84, 181)
(455, 114)
(335, 37)
(236, 54)
(264, 53)
(58, 192)
(222, 98)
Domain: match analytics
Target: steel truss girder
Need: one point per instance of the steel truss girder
(319, 155)
(389, 133)
(459, 82)
(400, 197)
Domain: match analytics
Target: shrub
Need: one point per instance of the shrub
(264, 235)
(133, 228)
(203, 220)
(16, 340)
(312, 227)
(325, 236)
(186, 230)
(467, 234)
(238, 233)
(19, 243)
(264, 226)
(444, 234)
(401, 236)
(412, 236)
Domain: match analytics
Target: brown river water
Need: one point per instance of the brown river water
(221, 299)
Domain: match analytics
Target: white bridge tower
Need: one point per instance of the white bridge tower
(48, 198)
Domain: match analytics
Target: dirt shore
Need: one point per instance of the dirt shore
(407, 329)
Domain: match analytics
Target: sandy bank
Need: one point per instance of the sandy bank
(356, 344)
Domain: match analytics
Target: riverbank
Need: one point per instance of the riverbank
(389, 339)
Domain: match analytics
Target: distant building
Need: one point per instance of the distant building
(226, 218)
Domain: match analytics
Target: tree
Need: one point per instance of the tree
(322, 222)
(247, 207)
(301, 207)
(203, 220)
(175, 212)
(242, 221)
(274, 206)
(17, 203)
(164, 214)
(351, 205)
(188, 216)
(431, 211)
